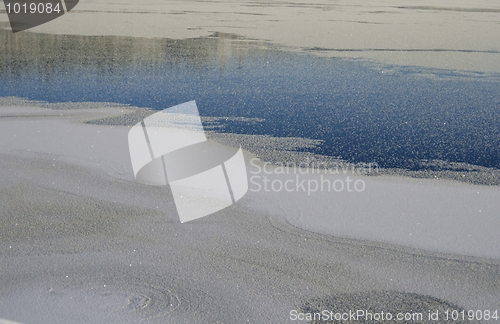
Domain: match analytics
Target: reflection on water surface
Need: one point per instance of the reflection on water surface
(396, 117)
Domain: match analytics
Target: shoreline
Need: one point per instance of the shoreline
(272, 184)
(278, 151)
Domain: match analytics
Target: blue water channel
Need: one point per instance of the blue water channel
(363, 112)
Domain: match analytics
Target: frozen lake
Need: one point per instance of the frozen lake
(415, 118)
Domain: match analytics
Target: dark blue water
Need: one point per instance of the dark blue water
(398, 118)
